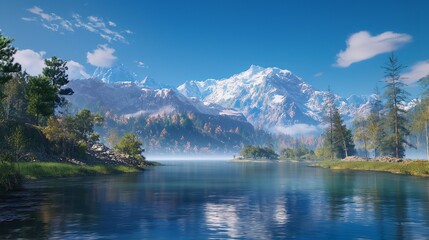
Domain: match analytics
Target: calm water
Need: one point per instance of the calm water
(217, 200)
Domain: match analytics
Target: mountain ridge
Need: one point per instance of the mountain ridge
(269, 98)
(272, 98)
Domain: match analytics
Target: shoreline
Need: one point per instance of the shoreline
(253, 160)
(407, 167)
(268, 160)
(18, 173)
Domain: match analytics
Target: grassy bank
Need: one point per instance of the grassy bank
(39, 170)
(415, 168)
(12, 175)
(10, 178)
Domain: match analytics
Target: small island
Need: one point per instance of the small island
(252, 153)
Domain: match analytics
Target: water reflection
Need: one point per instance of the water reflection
(280, 211)
(222, 217)
(215, 200)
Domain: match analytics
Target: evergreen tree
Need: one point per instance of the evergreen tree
(329, 109)
(395, 97)
(55, 71)
(41, 97)
(342, 138)
(7, 67)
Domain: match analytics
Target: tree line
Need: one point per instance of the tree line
(386, 130)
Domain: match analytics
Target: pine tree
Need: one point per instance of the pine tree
(395, 96)
(7, 66)
(329, 109)
(343, 144)
(55, 71)
(41, 97)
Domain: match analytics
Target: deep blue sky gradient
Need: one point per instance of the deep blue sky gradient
(196, 40)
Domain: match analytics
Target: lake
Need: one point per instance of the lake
(221, 200)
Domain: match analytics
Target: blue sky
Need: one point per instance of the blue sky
(338, 43)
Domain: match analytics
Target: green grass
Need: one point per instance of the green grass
(9, 177)
(12, 175)
(415, 168)
(37, 170)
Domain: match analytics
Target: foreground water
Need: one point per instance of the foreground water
(218, 199)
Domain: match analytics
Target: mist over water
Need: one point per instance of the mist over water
(190, 157)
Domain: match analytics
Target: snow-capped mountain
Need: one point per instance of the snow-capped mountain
(269, 98)
(117, 73)
(151, 83)
(132, 99)
(273, 98)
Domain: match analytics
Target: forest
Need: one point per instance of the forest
(388, 130)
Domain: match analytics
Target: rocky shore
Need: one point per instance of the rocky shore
(99, 153)
(378, 159)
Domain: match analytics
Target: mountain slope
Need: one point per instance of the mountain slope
(272, 98)
(132, 99)
(164, 119)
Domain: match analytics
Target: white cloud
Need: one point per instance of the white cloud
(76, 70)
(362, 46)
(52, 27)
(80, 23)
(97, 25)
(29, 19)
(128, 31)
(38, 11)
(31, 61)
(102, 56)
(92, 24)
(417, 72)
(297, 129)
(49, 21)
(319, 74)
(67, 25)
(141, 64)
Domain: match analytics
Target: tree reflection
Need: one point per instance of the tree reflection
(339, 187)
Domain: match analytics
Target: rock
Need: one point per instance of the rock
(379, 159)
(99, 153)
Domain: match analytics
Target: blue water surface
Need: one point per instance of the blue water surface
(221, 200)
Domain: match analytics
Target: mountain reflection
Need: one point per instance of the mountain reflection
(215, 200)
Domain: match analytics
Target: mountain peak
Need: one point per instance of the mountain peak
(149, 82)
(256, 71)
(271, 98)
(116, 73)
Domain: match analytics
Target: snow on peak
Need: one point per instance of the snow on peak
(117, 73)
(258, 74)
(272, 98)
(151, 83)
